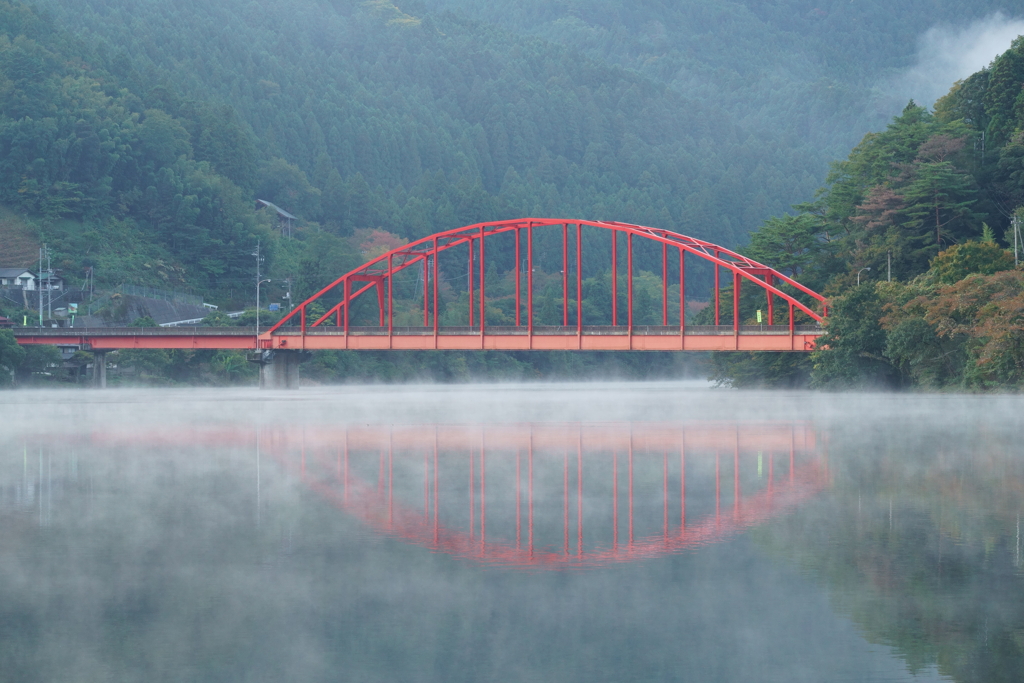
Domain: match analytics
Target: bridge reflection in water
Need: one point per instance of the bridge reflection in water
(556, 495)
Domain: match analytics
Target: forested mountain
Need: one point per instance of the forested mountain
(814, 74)
(418, 122)
(925, 211)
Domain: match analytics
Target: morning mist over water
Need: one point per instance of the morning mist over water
(615, 531)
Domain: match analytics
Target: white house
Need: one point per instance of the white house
(17, 277)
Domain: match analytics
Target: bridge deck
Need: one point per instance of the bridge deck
(590, 338)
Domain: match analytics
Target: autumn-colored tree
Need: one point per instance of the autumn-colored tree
(989, 309)
(961, 260)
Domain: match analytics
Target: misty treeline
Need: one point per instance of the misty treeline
(923, 214)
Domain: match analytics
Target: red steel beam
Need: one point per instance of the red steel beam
(629, 281)
(579, 279)
(469, 298)
(519, 278)
(482, 287)
(664, 284)
(505, 342)
(565, 274)
(615, 277)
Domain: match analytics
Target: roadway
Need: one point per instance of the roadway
(590, 338)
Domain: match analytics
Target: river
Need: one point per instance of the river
(519, 532)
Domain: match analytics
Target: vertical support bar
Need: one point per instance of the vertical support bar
(682, 483)
(629, 283)
(682, 298)
(792, 324)
(717, 292)
(631, 489)
(472, 501)
(736, 302)
(519, 496)
(579, 492)
(565, 274)
(529, 281)
(565, 502)
(736, 477)
(435, 478)
(435, 292)
(579, 283)
(519, 278)
(348, 306)
(469, 297)
(483, 492)
(718, 486)
(615, 278)
(792, 456)
(664, 284)
(770, 280)
(482, 287)
(664, 497)
(391, 298)
(337, 318)
(529, 493)
(426, 285)
(615, 501)
(302, 319)
(391, 482)
(379, 285)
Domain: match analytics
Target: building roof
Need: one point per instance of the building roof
(15, 272)
(280, 212)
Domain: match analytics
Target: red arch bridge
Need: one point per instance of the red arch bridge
(538, 495)
(336, 317)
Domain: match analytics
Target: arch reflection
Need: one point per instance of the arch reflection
(556, 495)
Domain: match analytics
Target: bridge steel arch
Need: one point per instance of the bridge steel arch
(299, 330)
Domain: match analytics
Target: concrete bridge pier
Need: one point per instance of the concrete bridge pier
(99, 369)
(280, 369)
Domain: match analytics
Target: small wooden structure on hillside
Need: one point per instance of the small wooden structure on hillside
(284, 219)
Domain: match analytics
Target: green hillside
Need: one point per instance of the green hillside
(913, 238)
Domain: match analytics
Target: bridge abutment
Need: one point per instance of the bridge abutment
(280, 369)
(99, 369)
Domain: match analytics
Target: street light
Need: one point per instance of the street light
(861, 271)
(258, 305)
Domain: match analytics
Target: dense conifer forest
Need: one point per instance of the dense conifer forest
(135, 137)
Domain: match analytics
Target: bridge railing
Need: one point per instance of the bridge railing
(133, 331)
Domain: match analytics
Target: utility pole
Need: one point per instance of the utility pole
(49, 286)
(39, 284)
(1016, 240)
(289, 294)
(259, 259)
(888, 266)
(259, 281)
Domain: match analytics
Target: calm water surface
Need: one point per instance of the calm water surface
(600, 532)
